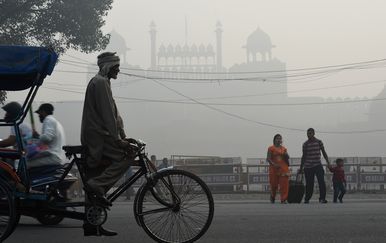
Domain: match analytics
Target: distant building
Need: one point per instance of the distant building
(259, 60)
(205, 61)
(118, 44)
(197, 58)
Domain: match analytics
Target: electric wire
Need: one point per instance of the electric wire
(266, 124)
(273, 79)
(179, 101)
(260, 122)
(211, 106)
(266, 71)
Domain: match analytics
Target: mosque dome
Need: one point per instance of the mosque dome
(117, 42)
(259, 41)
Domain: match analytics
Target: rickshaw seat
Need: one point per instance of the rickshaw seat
(9, 153)
(77, 149)
(45, 170)
(43, 175)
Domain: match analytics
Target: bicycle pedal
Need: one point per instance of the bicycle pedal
(100, 201)
(97, 199)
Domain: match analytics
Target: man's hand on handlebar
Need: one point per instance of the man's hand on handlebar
(129, 144)
(123, 143)
(131, 140)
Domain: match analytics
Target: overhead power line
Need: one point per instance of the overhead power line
(260, 122)
(249, 120)
(184, 101)
(374, 61)
(285, 78)
(234, 104)
(274, 78)
(244, 118)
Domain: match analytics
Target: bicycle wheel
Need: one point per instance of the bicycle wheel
(7, 211)
(176, 207)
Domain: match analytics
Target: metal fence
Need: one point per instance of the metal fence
(365, 174)
(230, 175)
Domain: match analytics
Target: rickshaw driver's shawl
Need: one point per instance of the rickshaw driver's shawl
(24, 66)
(101, 124)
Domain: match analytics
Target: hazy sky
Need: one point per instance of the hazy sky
(306, 34)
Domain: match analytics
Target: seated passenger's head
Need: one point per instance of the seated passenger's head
(12, 111)
(45, 110)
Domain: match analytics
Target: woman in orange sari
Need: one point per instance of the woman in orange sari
(278, 158)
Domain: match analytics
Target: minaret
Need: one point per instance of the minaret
(152, 45)
(219, 46)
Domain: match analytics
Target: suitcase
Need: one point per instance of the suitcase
(296, 189)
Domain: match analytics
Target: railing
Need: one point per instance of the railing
(223, 175)
(367, 177)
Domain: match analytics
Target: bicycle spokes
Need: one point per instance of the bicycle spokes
(178, 208)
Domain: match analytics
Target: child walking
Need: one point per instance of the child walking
(338, 180)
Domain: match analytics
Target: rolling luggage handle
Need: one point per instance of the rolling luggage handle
(299, 177)
(296, 189)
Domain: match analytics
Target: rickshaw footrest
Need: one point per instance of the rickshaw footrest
(34, 196)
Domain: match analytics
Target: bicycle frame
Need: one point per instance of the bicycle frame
(168, 193)
(146, 168)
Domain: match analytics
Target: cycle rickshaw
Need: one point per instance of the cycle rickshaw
(171, 205)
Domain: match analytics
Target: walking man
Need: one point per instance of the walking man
(312, 165)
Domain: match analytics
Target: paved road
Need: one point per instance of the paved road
(246, 220)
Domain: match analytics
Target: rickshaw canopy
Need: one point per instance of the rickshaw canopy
(22, 67)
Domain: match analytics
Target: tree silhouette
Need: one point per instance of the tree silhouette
(59, 24)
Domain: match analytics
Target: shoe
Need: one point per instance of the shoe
(340, 200)
(284, 202)
(96, 197)
(306, 201)
(92, 230)
(322, 201)
(99, 200)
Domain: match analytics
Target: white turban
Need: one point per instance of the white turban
(106, 61)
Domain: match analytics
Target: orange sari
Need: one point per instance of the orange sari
(278, 177)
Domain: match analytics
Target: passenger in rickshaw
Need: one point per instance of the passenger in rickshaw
(50, 141)
(103, 136)
(12, 111)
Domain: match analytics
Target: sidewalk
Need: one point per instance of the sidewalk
(248, 198)
(264, 197)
